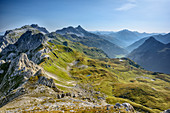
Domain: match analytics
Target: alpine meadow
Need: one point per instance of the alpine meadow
(93, 56)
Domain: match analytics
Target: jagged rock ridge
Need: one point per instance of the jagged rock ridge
(78, 34)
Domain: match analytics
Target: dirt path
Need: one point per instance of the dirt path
(56, 78)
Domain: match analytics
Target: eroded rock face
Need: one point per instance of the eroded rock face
(23, 65)
(29, 43)
(2, 62)
(20, 69)
(128, 107)
(19, 73)
(12, 36)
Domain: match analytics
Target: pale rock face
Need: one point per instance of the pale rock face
(23, 64)
(45, 56)
(2, 62)
(19, 69)
(128, 106)
(27, 43)
(37, 57)
(166, 111)
(18, 74)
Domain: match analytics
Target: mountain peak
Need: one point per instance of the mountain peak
(79, 28)
(125, 30)
(150, 44)
(34, 25)
(151, 39)
(42, 29)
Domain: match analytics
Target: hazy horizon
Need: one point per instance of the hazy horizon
(1, 33)
(151, 16)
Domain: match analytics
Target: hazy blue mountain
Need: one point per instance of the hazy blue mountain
(78, 34)
(153, 55)
(162, 38)
(124, 37)
(102, 32)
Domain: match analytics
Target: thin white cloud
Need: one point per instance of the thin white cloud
(131, 4)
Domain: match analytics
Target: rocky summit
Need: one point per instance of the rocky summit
(70, 71)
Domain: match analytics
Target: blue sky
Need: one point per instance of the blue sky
(105, 15)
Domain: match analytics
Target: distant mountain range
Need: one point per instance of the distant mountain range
(162, 38)
(153, 55)
(124, 37)
(78, 34)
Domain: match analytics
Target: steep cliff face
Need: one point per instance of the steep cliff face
(28, 43)
(11, 36)
(20, 73)
(18, 66)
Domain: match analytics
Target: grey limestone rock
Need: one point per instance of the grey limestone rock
(128, 106)
(2, 62)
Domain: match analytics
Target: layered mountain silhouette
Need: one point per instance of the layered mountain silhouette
(162, 38)
(153, 55)
(78, 34)
(124, 37)
(41, 71)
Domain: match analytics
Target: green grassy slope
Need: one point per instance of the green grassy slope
(122, 80)
(91, 52)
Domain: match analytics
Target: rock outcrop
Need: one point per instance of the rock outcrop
(12, 36)
(127, 106)
(21, 71)
(29, 43)
(166, 111)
